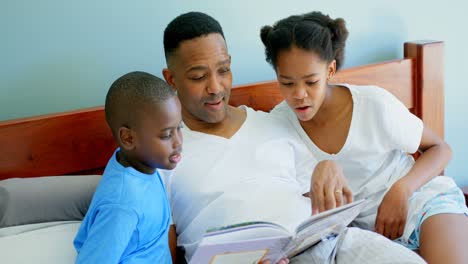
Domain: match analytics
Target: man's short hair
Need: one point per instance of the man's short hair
(129, 94)
(186, 27)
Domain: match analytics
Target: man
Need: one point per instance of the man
(241, 165)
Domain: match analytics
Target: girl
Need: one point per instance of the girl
(363, 134)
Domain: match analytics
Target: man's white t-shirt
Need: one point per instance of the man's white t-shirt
(249, 177)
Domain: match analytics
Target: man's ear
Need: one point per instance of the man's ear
(126, 138)
(169, 77)
(331, 69)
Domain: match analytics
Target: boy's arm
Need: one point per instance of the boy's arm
(173, 243)
(109, 235)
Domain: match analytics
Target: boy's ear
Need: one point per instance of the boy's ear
(169, 77)
(126, 138)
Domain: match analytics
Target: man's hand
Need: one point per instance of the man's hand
(392, 212)
(329, 188)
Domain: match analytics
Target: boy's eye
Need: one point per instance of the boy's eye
(311, 82)
(165, 137)
(287, 84)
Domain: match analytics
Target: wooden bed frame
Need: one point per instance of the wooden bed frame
(79, 142)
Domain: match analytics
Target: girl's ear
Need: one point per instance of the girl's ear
(126, 138)
(331, 69)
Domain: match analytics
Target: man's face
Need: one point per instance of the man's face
(200, 71)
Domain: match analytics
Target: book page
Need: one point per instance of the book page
(321, 225)
(306, 240)
(354, 207)
(248, 257)
(243, 225)
(244, 231)
(241, 251)
(250, 241)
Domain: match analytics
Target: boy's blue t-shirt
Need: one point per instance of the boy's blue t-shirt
(128, 219)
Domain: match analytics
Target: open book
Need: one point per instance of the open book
(251, 242)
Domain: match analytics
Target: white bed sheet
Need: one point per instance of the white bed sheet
(50, 243)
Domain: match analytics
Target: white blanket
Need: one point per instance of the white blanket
(50, 243)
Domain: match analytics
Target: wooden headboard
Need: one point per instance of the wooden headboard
(79, 142)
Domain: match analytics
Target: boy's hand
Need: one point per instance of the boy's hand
(329, 188)
(392, 212)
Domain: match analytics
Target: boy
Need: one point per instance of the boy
(129, 216)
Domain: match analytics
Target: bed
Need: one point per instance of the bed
(79, 142)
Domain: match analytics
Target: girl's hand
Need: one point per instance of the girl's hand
(329, 188)
(392, 212)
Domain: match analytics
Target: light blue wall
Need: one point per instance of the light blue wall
(61, 55)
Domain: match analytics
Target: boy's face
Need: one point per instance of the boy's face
(200, 71)
(157, 136)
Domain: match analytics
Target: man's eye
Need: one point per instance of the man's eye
(197, 78)
(224, 70)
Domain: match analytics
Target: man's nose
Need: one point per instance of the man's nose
(214, 85)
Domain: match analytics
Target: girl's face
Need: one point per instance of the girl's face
(302, 77)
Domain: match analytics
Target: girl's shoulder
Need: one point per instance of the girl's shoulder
(369, 92)
(373, 96)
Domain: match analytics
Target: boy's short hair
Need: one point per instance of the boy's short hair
(129, 94)
(186, 27)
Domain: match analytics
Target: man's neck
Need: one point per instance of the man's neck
(227, 128)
